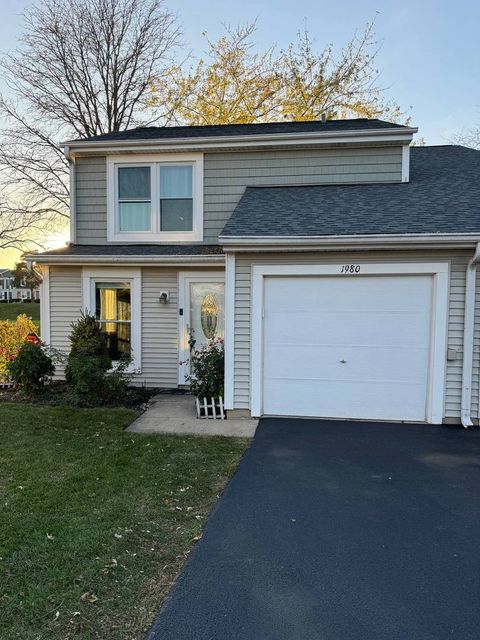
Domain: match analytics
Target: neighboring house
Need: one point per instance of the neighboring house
(339, 262)
(8, 291)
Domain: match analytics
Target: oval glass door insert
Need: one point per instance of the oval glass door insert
(209, 315)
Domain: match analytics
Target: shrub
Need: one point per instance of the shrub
(89, 372)
(31, 367)
(12, 338)
(87, 339)
(207, 366)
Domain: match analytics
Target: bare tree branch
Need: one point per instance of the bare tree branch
(83, 67)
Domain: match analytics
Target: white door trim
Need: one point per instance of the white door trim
(437, 368)
(185, 277)
(229, 329)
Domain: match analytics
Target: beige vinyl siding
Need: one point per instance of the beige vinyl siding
(458, 263)
(476, 354)
(66, 304)
(91, 200)
(159, 329)
(159, 322)
(226, 175)
(453, 383)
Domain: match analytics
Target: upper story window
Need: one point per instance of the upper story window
(155, 198)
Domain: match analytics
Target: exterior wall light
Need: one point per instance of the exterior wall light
(164, 296)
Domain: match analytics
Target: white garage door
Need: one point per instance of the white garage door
(354, 347)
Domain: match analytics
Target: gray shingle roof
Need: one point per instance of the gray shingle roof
(443, 196)
(116, 250)
(171, 133)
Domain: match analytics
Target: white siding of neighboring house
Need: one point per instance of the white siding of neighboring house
(458, 262)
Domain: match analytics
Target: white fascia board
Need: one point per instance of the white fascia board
(133, 260)
(256, 140)
(249, 243)
(73, 201)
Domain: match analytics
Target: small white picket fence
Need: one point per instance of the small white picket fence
(210, 410)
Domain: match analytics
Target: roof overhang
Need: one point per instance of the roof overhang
(402, 135)
(346, 242)
(138, 260)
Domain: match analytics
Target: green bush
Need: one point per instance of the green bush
(87, 339)
(89, 373)
(207, 366)
(31, 367)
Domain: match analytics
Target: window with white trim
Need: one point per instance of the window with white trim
(113, 296)
(155, 199)
(113, 304)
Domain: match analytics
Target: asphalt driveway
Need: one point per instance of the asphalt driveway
(335, 531)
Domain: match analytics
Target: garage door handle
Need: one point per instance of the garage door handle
(343, 361)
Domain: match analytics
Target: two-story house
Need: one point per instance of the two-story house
(338, 261)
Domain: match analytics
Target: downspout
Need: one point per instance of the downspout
(468, 330)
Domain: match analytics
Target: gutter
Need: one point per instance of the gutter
(250, 243)
(267, 139)
(468, 332)
(130, 259)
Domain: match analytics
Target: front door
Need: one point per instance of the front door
(202, 312)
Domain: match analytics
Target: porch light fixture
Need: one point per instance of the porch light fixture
(164, 296)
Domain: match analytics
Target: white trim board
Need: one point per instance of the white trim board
(372, 136)
(45, 304)
(155, 235)
(137, 260)
(250, 243)
(229, 330)
(134, 276)
(405, 163)
(438, 335)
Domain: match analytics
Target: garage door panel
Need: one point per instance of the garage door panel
(344, 399)
(366, 293)
(347, 347)
(322, 362)
(344, 328)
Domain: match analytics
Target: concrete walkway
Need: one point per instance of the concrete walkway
(175, 414)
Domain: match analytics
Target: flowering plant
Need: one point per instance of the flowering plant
(12, 338)
(207, 365)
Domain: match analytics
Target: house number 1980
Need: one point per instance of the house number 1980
(350, 268)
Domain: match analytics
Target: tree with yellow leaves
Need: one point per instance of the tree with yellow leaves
(239, 84)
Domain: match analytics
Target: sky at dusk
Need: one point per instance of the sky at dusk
(429, 58)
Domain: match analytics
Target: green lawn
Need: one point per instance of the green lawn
(95, 522)
(10, 311)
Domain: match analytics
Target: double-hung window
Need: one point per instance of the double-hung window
(155, 198)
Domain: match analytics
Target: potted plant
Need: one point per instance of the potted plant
(206, 379)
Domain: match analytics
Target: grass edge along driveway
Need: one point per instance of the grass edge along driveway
(95, 522)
